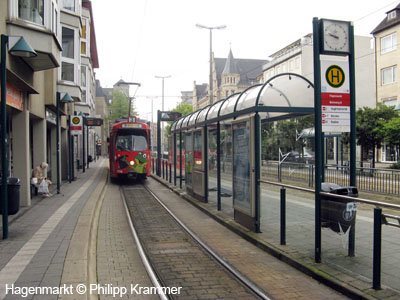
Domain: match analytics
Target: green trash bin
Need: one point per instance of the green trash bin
(338, 214)
(13, 196)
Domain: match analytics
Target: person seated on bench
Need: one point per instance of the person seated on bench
(38, 173)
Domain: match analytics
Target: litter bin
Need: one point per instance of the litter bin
(338, 214)
(13, 196)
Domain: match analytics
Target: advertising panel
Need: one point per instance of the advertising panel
(241, 167)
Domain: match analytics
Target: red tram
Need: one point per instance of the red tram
(129, 149)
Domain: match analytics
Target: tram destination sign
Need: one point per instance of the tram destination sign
(94, 121)
(170, 115)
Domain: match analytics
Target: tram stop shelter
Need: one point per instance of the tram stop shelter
(283, 96)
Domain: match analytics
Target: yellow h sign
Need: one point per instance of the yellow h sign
(335, 76)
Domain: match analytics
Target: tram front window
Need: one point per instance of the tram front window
(131, 141)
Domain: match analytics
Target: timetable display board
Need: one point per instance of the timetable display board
(241, 167)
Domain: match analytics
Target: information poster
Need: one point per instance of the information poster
(241, 167)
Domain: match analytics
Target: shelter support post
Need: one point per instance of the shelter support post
(219, 166)
(180, 159)
(174, 158)
(318, 139)
(83, 145)
(158, 143)
(205, 141)
(257, 171)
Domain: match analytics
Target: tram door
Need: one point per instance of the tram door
(243, 175)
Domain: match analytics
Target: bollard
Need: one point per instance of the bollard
(283, 216)
(166, 170)
(376, 276)
(152, 162)
(77, 164)
(162, 169)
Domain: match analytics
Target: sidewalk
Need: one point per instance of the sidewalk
(350, 284)
(40, 235)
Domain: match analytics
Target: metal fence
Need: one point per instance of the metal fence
(385, 181)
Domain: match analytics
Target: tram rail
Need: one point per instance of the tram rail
(155, 275)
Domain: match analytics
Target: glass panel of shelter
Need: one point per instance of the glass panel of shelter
(284, 91)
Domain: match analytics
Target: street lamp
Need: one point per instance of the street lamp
(17, 47)
(65, 99)
(159, 138)
(211, 29)
(129, 98)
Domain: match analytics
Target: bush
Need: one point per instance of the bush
(395, 166)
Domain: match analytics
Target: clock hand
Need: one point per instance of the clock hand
(333, 35)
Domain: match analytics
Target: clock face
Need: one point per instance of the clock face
(335, 36)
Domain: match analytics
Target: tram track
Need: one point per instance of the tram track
(174, 255)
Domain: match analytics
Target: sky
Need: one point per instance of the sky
(140, 39)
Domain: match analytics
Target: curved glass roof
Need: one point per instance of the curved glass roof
(203, 114)
(283, 96)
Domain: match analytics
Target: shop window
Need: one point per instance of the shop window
(31, 10)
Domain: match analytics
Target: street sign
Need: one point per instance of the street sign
(170, 115)
(94, 121)
(335, 96)
(76, 125)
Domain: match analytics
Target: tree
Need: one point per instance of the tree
(119, 107)
(370, 124)
(391, 131)
(184, 108)
(282, 134)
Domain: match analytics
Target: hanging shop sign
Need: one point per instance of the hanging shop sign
(14, 97)
(335, 96)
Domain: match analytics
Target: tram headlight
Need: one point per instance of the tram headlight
(132, 162)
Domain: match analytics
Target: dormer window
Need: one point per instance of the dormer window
(392, 15)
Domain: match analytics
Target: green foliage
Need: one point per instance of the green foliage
(282, 134)
(119, 107)
(391, 131)
(184, 108)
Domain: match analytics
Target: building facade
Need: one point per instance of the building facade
(230, 75)
(33, 84)
(298, 58)
(387, 61)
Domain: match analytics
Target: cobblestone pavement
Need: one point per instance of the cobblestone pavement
(179, 260)
(275, 277)
(118, 261)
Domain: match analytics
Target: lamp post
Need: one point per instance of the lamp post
(17, 47)
(211, 29)
(162, 109)
(65, 99)
(129, 98)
